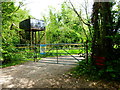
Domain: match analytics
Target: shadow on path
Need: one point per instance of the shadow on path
(66, 60)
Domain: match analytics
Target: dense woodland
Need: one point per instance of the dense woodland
(100, 31)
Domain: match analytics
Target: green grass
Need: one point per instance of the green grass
(60, 52)
(76, 51)
(27, 56)
(12, 64)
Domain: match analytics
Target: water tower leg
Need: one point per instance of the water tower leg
(35, 38)
(31, 35)
(39, 40)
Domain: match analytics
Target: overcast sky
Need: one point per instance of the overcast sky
(38, 8)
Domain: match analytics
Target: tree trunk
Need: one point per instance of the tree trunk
(102, 25)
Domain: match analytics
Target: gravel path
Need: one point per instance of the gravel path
(44, 75)
(36, 74)
(31, 74)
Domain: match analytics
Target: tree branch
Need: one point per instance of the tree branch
(78, 14)
(20, 5)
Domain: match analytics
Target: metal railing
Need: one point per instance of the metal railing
(38, 51)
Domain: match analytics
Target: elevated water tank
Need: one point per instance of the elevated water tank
(32, 24)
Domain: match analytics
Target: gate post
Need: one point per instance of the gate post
(57, 53)
(86, 51)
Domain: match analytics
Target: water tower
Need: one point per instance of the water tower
(36, 30)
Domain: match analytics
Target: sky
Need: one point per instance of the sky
(39, 8)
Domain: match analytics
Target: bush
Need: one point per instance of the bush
(109, 72)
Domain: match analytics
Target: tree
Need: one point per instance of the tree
(63, 26)
(103, 28)
(11, 15)
(105, 25)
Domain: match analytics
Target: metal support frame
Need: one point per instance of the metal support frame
(71, 55)
(57, 54)
(56, 48)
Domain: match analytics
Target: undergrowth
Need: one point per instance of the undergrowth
(12, 64)
(109, 73)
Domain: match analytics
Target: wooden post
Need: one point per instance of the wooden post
(39, 40)
(35, 38)
(57, 53)
(86, 51)
(32, 37)
(30, 33)
(45, 39)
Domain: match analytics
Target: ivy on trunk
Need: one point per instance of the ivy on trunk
(102, 24)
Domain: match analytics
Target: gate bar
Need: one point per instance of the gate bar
(71, 55)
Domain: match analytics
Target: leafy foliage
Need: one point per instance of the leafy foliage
(63, 26)
(105, 34)
(11, 14)
(111, 72)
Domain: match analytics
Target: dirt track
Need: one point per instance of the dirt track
(43, 75)
(37, 74)
(32, 74)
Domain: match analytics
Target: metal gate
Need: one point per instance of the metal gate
(62, 52)
(40, 52)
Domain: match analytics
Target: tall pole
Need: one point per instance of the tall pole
(30, 33)
(86, 44)
(39, 40)
(57, 53)
(32, 37)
